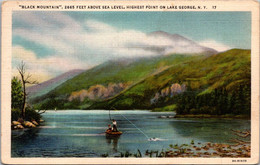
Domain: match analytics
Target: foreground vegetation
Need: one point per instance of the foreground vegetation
(240, 148)
(30, 118)
(207, 150)
(22, 115)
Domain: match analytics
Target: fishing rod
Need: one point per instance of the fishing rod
(135, 126)
(109, 112)
(109, 115)
(150, 139)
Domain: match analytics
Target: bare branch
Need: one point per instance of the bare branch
(21, 68)
(25, 80)
(28, 77)
(31, 82)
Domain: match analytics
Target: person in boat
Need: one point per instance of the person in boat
(114, 127)
(109, 128)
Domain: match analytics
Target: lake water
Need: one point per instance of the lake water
(78, 133)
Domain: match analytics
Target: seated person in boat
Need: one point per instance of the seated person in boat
(114, 127)
(109, 128)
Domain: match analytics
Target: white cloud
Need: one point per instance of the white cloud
(68, 37)
(45, 21)
(43, 68)
(215, 45)
(96, 26)
(51, 41)
(84, 44)
(18, 52)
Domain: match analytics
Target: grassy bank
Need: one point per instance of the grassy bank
(169, 108)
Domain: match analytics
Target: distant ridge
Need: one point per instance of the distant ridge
(181, 44)
(46, 86)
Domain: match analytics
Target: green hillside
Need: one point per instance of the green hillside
(109, 72)
(172, 81)
(228, 70)
(114, 71)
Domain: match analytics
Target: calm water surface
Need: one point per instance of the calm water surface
(77, 133)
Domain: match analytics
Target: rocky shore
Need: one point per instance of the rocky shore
(164, 117)
(21, 124)
(204, 116)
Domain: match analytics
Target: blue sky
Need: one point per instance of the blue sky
(54, 42)
(231, 28)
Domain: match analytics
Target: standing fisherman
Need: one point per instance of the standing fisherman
(114, 127)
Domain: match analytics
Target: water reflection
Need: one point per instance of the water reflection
(26, 135)
(205, 129)
(112, 139)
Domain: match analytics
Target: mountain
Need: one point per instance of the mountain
(183, 73)
(47, 86)
(125, 70)
(98, 80)
(151, 83)
(179, 44)
(132, 70)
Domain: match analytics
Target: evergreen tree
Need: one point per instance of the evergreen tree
(247, 95)
(16, 94)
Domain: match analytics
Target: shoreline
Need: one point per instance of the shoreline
(213, 116)
(227, 116)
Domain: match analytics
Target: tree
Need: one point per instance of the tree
(25, 77)
(16, 93)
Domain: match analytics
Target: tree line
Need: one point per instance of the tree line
(218, 102)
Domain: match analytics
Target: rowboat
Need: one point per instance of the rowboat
(117, 133)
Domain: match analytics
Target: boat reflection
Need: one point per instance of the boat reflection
(112, 139)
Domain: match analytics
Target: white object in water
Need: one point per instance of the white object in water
(163, 117)
(153, 139)
(156, 139)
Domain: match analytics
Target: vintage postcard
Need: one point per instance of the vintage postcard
(118, 82)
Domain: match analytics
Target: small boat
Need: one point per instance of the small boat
(117, 133)
(109, 132)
